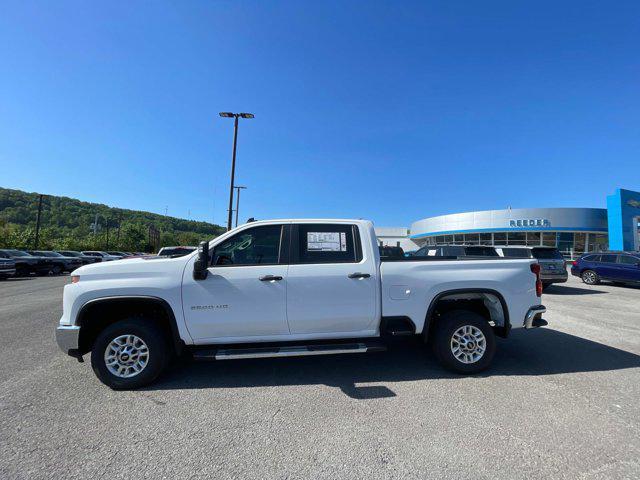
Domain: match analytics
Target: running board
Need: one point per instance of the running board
(286, 351)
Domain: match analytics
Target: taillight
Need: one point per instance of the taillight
(574, 263)
(535, 268)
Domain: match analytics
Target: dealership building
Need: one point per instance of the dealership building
(572, 230)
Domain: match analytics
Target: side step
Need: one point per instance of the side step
(286, 351)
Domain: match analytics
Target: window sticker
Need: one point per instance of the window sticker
(326, 242)
(431, 253)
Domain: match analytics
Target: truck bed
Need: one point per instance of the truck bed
(411, 284)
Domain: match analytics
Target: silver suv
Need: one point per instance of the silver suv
(553, 267)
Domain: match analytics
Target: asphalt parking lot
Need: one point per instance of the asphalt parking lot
(559, 402)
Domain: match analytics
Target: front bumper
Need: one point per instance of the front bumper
(533, 318)
(7, 272)
(67, 339)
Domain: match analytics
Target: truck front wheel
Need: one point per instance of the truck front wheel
(464, 342)
(129, 354)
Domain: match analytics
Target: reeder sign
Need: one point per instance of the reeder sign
(529, 222)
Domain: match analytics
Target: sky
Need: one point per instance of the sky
(392, 111)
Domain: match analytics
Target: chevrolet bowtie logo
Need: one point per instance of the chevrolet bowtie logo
(634, 203)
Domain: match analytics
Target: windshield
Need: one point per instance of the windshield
(482, 251)
(516, 252)
(18, 253)
(48, 254)
(547, 254)
(167, 252)
(70, 254)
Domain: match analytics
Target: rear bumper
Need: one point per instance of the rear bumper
(67, 339)
(533, 318)
(556, 277)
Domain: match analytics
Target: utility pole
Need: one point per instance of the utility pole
(235, 117)
(238, 188)
(95, 225)
(107, 247)
(38, 223)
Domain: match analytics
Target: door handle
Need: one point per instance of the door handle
(359, 275)
(269, 278)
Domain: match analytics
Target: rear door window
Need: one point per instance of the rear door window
(326, 243)
(606, 258)
(629, 260)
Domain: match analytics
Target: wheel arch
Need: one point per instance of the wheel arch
(475, 294)
(97, 314)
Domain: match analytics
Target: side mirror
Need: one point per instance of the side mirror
(200, 271)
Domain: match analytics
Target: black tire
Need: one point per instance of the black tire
(144, 329)
(56, 270)
(590, 277)
(447, 325)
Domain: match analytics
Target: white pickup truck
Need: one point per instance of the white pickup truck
(288, 288)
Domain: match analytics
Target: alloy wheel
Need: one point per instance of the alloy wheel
(468, 344)
(126, 356)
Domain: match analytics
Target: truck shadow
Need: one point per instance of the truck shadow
(565, 290)
(537, 352)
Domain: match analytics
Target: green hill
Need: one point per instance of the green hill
(66, 223)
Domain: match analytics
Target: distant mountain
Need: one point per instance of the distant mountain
(67, 223)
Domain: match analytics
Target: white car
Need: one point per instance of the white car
(289, 288)
(103, 256)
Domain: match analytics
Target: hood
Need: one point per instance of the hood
(132, 267)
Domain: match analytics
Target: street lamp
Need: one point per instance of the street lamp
(235, 117)
(238, 188)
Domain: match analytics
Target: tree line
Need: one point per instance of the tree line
(66, 224)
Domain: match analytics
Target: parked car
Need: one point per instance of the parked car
(471, 251)
(289, 288)
(60, 262)
(7, 266)
(618, 267)
(119, 254)
(27, 264)
(175, 251)
(103, 256)
(85, 259)
(552, 263)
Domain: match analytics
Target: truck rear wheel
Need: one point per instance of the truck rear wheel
(464, 342)
(129, 354)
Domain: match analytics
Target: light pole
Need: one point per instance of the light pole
(238, 188)
(235, 117)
